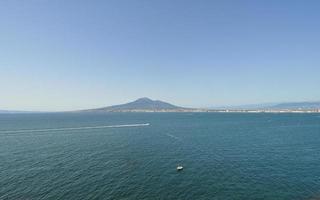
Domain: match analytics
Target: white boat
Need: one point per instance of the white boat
(179, 168)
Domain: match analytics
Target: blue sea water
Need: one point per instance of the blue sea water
(225, 156)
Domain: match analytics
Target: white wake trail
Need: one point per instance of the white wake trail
(73, 128)
(172, 136)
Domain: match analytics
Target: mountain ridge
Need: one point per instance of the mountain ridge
(143, 104)
(148, 105)
(297, 105)
(275, 106)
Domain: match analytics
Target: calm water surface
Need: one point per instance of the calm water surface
(226, 156)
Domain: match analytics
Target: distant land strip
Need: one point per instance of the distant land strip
(196, 110)
(148, 105)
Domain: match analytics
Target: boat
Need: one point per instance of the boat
(179, 168)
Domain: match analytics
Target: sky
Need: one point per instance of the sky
(66, 55)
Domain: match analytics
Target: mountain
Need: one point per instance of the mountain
(142, 104)
(297, 106)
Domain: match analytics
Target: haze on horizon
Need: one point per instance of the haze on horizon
(69, 55)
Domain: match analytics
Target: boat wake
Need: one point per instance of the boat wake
(172, 136)
(73, 128)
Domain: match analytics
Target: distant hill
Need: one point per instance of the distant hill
(297, 105)
(247, 107)
(278, 106)
(4, 111)
(142, 104)
(12, 111)
(275, 106)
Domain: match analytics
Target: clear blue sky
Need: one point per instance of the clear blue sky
(65, 55)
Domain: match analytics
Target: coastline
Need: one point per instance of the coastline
(205, 111)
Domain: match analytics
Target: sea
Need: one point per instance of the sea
(134, 156)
